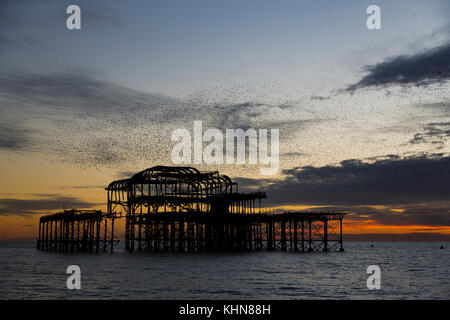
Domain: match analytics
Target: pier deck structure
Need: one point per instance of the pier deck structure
(182, 209)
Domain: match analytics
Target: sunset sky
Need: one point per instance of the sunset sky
(363, 114)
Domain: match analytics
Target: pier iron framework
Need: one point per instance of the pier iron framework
(183, 209)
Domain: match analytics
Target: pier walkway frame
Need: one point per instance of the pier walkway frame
(169, 209)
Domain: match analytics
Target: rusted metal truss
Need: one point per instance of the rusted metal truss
(294, 231)
(77, 231)
(183, 209)
(179, 189)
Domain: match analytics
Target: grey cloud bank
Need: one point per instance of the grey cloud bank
(425, 68)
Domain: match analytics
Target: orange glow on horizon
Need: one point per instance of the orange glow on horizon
(371, 226)
(16, 228)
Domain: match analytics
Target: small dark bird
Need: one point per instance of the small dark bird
(442, 247)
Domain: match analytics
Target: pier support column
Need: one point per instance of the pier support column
(112, 234)
(172, 235)
(283, 234)
(97, 236)
(46, 235)
(56, 240)
(139, 238)
(325, 235)
(39, 236)
(51, 236)
(67, 236)
(104, 237)
(60, 245)
(72, 240)
(310, 236)
(341, 249)
(269, 235)
(295, 236)
(303, 235)
(181, 234)
(127, 232)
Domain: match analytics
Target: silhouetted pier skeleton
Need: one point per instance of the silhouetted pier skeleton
(182, 209)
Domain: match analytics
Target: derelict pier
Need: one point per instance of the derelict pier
(182, 209)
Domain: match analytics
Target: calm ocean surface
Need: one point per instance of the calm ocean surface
(408, 271)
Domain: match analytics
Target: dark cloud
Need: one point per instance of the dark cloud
(14, 137)
(435, 133)
(78, 117)
(429, 214)
(424, 68)
(390, 191)
(78, 89)
(45, 203)
(387, 181)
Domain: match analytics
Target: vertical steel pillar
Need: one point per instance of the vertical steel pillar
(127, 232)
(303, 234)
(112, 234)
(290, 235)
(46, 234)
(295, 235)
(72, 240)
(180, 234)
(269, 235)
(325, 235)
(105, 233)
(310, 236)
(55, 246)
(340, 236)
(97, 237)
(39, 236)
(51, 236)
(283, 233)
